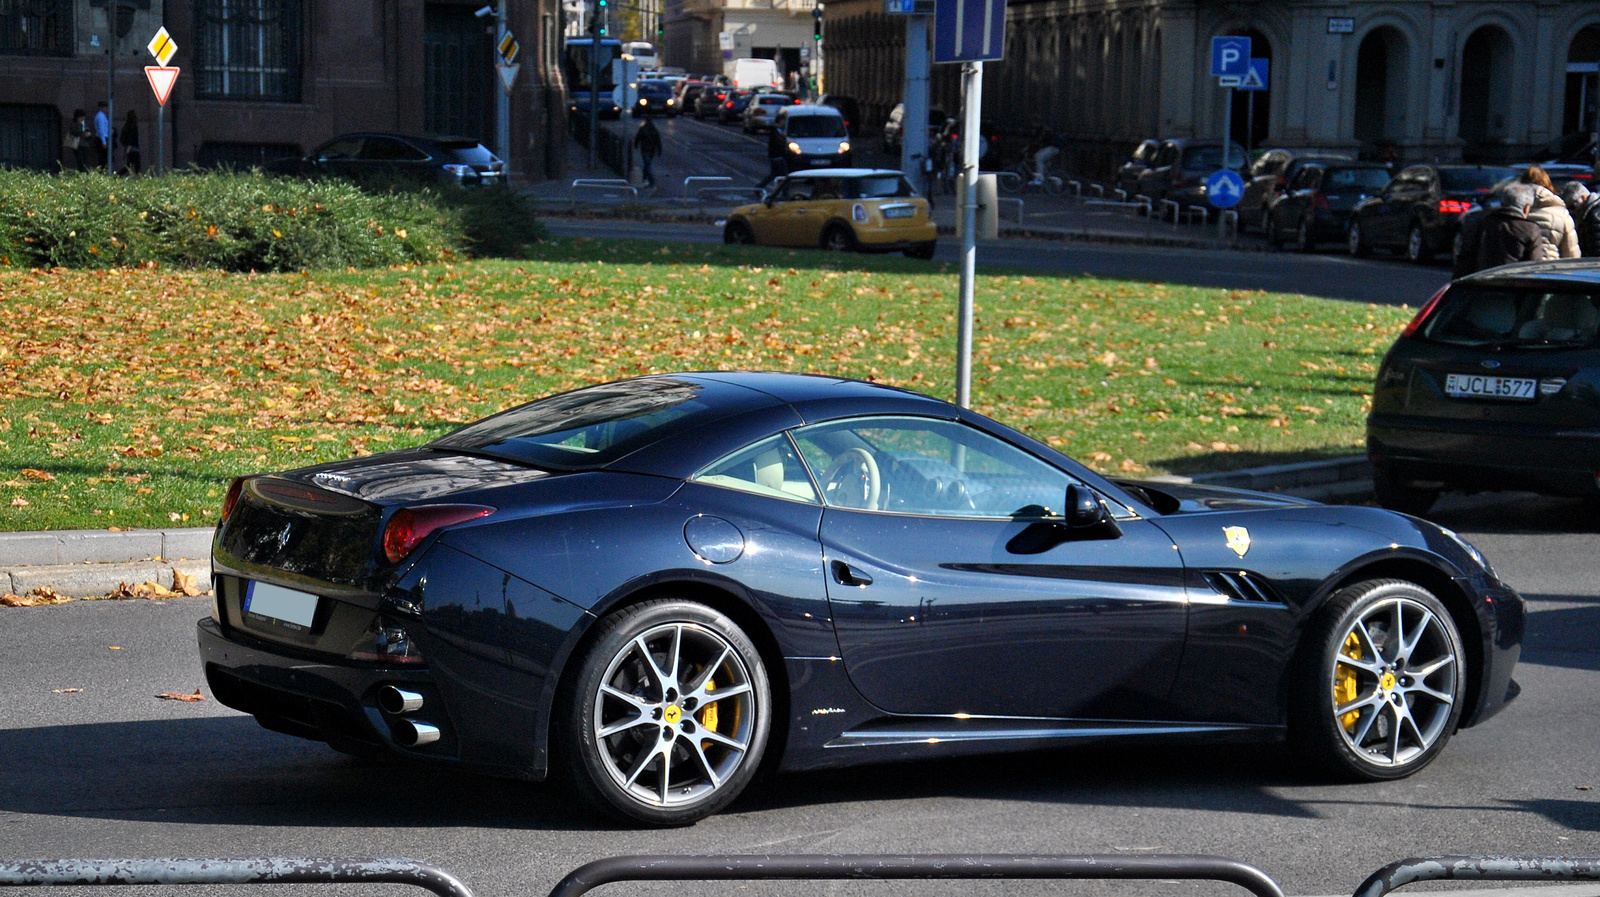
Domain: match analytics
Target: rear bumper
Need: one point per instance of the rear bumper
(897, 240)
(1475, 456)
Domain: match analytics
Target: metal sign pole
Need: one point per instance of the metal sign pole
(1227, 127)
(111, 89)
(502, 102)
(161, 138)
(972, 109)
(914, 126)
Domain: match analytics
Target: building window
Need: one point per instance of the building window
(247, 50)
(36, 27)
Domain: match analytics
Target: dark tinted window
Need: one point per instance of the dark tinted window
(1503, 316)
(589, 428)
(388, 149)
(1367, 180)
(473, 153)
(343, 148)
(816, 126)
(1210, 157)
(1482, 180)
(1306, 178)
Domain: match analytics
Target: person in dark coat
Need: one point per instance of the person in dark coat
(80, 138)
(1508, 235)
(648, 142)
(777, 156)
(1585, 208)
(131, 160)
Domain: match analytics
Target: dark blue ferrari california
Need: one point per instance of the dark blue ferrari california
(652, 588)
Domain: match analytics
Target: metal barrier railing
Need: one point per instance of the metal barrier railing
(1478, 868)
(1227, 224)
(261, 870)
(912, 866)
(1003, 201)
(601, 189)
(692, 185)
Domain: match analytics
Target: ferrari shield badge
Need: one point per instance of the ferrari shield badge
(1238, 539)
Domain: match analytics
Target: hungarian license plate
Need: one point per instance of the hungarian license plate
(1477, 386)
(278, 603)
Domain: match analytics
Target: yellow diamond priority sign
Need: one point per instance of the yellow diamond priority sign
(162, 46)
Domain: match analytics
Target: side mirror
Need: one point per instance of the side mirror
(1083, 508)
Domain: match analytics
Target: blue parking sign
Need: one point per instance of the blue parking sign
(968, 30)
(1230, 55)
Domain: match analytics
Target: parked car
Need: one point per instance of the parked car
(1180, 168)
(689, 91)
(1316, 205)
(710, 100)
(894, 128)
(848, 106)
(1138, 161)
(645, 589)
(842, 209)
(1419, 213)
(815, 136)
(1267, 180)
(655, 98)
(762, 109)
(733, 107)
(458, 161)
(1494, 385)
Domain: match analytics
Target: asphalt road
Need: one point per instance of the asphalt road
(113, 771)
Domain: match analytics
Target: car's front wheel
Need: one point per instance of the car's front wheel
(838, 238)
(1381, 682)
(667, 715)
(1417, 245)
(1355, 242)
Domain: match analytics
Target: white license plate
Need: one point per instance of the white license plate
(820, 163)
(1477, 386)
(899, 211)
(278, 603)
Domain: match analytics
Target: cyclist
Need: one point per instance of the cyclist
(1045, 146)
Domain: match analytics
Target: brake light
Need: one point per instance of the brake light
(232, 498)
(730, 105)
(1423, 313)
(410, 526)
(1319, 201)
(1280, 185)
(797, 101)
(1177, 179)
(1454, 207)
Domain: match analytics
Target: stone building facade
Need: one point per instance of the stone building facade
(1489, 79)
(766, 29)
(266, 78)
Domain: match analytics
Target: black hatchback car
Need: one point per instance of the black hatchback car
(1316, 204)
(458, 161)
(1420, 211)
(1494, 385)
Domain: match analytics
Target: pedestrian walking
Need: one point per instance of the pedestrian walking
(1550, 213)
(1508, 235)
(102, 135)
(777, 156)
(132, 163)
(1585, 208)
(648, 142)
(80, 138)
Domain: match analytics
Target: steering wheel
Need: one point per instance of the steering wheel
(852, 480)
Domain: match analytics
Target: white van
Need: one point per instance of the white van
(752, 73)
(815, 137)
(644, 53)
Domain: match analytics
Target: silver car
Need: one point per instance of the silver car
(763, 109)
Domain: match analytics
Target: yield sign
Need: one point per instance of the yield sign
(508, 74)
(162, 78)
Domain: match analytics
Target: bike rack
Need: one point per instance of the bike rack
(731, 194)
(882, 867)
(260, 870)
(1145, 201)
(693, 185)
(1002, 200)
(1227, 224)
(605, 189)
(1098, 190)
(1173, 205)
(1077, 189)
(1478, 868)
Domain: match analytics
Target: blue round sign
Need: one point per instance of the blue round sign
(1225, 188)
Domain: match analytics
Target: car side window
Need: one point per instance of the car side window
(770, 467)
(795, 191)
(343, 148)
(928, 467)
(1307, 178)
(387, 149)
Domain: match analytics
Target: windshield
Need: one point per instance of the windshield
(1367, 180)
(589, 428)
(1511, 316)
(878, 187)
(816, 126)
(1210, 157)
(1473, 180)
(469, 153)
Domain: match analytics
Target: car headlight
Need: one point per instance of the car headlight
(1470, 549)
(670, 102)
(844, 146)
(794, 148)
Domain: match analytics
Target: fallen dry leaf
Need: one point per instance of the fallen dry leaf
(66, 691)
(39, 596)
(33, 473)
(184, 583)
(182, 696)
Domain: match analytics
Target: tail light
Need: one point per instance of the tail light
(232, 498)
(1423, 313)
(1178, 179)
(409, 526)
(1454, 207)
(1319, 201)
(730, 105)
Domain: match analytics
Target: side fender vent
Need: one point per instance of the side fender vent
(1241, 585)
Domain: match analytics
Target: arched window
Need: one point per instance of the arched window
(1486, 83)
(1381, 78)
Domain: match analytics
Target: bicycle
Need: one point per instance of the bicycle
(1019, 178)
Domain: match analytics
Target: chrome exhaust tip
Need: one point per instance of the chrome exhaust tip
(408, 733)
(396, 701)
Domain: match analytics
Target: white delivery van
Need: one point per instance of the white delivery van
(751, 73)
(644, 54)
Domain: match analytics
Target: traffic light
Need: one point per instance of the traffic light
(661, 28)
(816, 22)
(600, 16)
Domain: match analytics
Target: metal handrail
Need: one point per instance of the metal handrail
(258, 870)
(1478, 868)
(912, 866)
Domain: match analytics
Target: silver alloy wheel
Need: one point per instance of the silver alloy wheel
(1395, 682)
(1353, 238)
(1414, 244)
(674, 715)
(1304, 235)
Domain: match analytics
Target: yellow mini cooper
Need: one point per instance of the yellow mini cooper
(842, 209)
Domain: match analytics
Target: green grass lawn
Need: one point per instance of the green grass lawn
(130, 398)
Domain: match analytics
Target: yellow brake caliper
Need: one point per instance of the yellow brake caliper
(708, 715)
(1344, 682)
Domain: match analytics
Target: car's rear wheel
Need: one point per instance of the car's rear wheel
(922, 251)
(1380, 684)
(1417, 245)
(667, 716)
(1265, 222)
(1355, 242)
(737, 232)
(1303, 240)
(1402, 497)
(838, 238)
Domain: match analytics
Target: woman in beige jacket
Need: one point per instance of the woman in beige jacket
(1550, 213)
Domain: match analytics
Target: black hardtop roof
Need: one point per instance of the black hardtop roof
(1540, 275)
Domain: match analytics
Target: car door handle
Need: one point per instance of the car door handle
(846, 575)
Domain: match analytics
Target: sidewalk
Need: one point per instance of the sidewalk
(91, 563)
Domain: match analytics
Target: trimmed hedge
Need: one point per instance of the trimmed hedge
(245, 221)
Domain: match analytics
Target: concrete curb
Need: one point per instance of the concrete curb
(83, 563)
